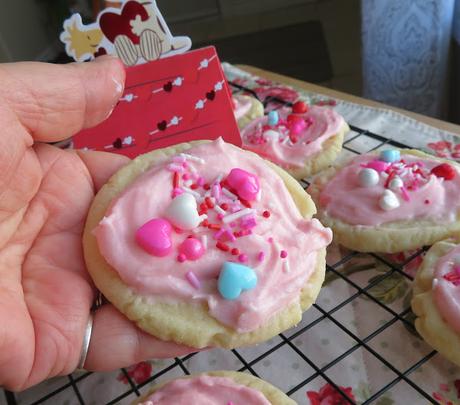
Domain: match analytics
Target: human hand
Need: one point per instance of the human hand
(45, 193)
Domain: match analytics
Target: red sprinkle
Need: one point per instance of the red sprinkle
(444, 170)
(243, 258)
(246, 203)
(222, 246)
(176, 180)
(181, 258)
(224, 206)
(194, 186)
(235, 252)
(214, 226)
(207, 187)
(283, 254)
(209, 203)
(427, 201)
(266, 214)
(299, 107)
(205, 223)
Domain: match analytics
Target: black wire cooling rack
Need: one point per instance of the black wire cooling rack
(401, 374)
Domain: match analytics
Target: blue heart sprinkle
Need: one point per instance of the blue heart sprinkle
(234, 278)
(273, 118)
(390, 156)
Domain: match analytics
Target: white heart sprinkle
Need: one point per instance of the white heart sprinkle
(368, 177)
(388, 201)
(182, 212)
(204, 63)
(128, 140)
(199, 105)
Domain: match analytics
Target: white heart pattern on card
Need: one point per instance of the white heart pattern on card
(128, 140)
(199, 105)
(174, 121)
(178, 81)
(218, 86)
(204, 64)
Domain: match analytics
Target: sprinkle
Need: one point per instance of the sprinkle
(178, 159)
(224, 206)
(270, 240)
(192, 158)
(220, 217)
(405, 194)
(188, 183)
(209, 203)
(261, 256)
(286, 267)
(185, 165)
(235, 252)
(222, 246)
(186, 176)
(427, 201)
(266, 214)
(228, 193)
(246, 203)
(193, 279)
(283, 254)
(192, 192)
(204, 241)
(176, 180)
(218, 234)
(243, 258)
(176, 192)
(200, 181)
(218, 179)
(192, 168)
(214, 226)
(181, 258)
(237, 215)
(175, 168)
(219, 210)
(194, 186)
(216, 190)
(248, 222)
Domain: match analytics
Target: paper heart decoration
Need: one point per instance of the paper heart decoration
(245, 184)
(183, 213)
(113, 24)
(389, 201)
(235, 278)
(155, 237)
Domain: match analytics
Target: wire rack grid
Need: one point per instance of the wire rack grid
(316, 370)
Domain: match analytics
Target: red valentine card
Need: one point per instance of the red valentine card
(168, 101)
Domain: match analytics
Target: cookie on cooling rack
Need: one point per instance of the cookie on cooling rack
(218, 387)
(436, 300)
(206, 245)
(392, 202)
(247, 109)
(303, 140)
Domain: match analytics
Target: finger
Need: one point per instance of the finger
(102, 165)
(116, 342)
(53, 102)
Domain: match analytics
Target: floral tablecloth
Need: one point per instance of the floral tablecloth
(360, 373)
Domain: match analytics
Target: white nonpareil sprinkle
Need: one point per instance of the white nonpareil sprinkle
(232, 217)
(228, 193)
(204, 241)
(192, 158)
(286, 267)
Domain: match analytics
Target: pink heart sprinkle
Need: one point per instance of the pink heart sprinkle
(246, 184)
(155, 237)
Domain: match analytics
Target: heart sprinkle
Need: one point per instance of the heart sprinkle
(235, 278)
(444, 170)
(155, 237)
(183, 213)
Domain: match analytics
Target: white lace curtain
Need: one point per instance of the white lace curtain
(408, 57)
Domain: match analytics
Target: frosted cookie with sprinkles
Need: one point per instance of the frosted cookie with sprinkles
(218, 387)
(436, 300)
(246, 109)
(303, 140)
(206, 245)
(392, 202)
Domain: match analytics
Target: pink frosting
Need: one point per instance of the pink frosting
(280, 280)
(322, 124)
(242, 106)
(345, 199)
(446, 293)
(206, 390)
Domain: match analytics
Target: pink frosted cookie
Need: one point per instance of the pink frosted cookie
(246, 109)
(218, 387)
(303, 140)
(397, 201)
(436, 300)
(191, 243)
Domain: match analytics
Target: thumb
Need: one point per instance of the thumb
(53, 102)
